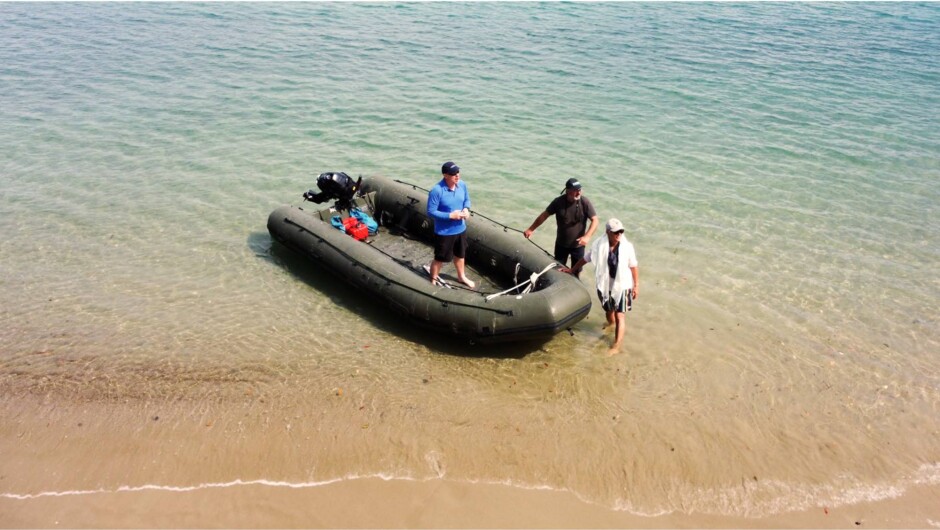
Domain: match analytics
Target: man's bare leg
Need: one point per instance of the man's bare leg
(459, 264)
(435, 270)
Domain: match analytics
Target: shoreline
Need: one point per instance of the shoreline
(437, 503)
(99, 464)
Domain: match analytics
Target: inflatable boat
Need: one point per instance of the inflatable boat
(520, 294)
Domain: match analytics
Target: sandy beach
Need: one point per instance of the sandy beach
(167, 465)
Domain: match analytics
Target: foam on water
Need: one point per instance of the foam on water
(783, 498)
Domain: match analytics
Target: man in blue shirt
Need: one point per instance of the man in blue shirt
(449, 206)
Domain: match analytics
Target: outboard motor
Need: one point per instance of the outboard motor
(338, 186)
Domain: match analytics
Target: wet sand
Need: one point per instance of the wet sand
(377, 503)
(99, 465)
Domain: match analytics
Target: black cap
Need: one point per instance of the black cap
(450, 168)
(572, 184)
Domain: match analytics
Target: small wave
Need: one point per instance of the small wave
(778, 497)
(204, 486)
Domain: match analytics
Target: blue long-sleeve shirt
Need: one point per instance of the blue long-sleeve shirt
(442, 201)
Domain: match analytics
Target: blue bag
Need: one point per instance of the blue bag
(365, 219)
(337, 222)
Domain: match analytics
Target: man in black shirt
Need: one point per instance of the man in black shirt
(572, 211)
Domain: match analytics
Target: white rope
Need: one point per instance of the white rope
(531, 282)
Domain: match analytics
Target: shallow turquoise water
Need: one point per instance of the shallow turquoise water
(776, 166)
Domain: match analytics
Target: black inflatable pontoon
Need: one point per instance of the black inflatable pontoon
(389, 266)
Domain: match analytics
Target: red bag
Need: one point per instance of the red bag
(353, 227)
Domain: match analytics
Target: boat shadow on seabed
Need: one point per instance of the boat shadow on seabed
(341, 293)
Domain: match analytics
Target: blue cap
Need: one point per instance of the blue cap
(450, 168)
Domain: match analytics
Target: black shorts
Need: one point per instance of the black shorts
(446, 248)
(562, 253)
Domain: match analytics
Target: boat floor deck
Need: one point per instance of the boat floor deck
(415, 254)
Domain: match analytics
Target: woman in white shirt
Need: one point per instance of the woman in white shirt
(615, 288)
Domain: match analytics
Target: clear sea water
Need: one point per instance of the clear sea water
(777, 167)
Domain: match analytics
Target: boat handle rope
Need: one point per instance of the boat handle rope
(389, 280)
(505, 228)
(531, 282)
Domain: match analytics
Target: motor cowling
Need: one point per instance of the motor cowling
(335, 186)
